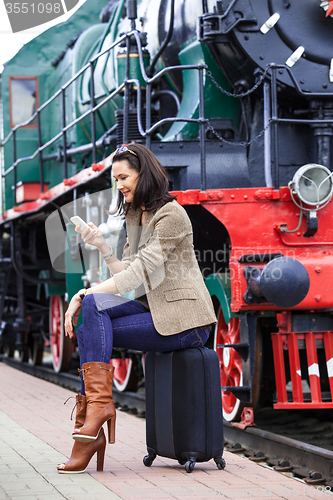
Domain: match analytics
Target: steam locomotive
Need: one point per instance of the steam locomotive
(235, 98)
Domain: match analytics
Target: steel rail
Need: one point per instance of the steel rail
(304, 458)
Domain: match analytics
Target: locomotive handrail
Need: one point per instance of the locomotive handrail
(33, 116)
(75, 77)
(171, 68)
(65, 129)
(101, 104)
(152, 80)
(304, 121)
(271, 118)
(139, 46)
(164, 120)
(275, 120)
(275, 66)
(146, 78)
(164, 70)
(98, 106)
(14, 129)
(62, 88)
(94, 108)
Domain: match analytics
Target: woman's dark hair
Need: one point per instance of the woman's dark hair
(152, 189)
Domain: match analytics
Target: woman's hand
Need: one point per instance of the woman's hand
(72, 314)
(92, 235)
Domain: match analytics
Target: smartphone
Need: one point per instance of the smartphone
(78, 221)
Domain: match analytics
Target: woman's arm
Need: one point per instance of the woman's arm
(93, 236)
(107, 286)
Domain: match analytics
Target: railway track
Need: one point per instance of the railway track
(307, 462)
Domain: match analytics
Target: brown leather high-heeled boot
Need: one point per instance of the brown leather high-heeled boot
(83, 452)
(98, 379)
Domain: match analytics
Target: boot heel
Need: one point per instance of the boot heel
(112, 429)
(100, 459)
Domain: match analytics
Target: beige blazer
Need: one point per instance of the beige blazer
(160, 255)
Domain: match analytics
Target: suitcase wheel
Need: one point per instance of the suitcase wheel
(189, 466)
(220, 462)
(149, 459)
(182, 462)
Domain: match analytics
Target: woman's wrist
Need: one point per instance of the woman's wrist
(104, 248)
(106, 255)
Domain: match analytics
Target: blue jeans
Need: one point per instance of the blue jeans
(113, 321)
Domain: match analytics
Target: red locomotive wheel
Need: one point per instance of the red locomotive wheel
(125, 377)
(230, 364)
(61, 345)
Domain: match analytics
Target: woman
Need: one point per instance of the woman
(172, 310)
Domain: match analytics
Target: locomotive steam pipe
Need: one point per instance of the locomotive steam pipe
(150, 70)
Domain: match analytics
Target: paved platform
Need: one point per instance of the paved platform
(35, 435)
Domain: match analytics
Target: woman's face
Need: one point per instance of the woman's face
(126, 178)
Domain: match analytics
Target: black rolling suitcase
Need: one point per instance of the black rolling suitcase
(184, 407)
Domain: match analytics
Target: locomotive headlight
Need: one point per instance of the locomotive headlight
(313, 185)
